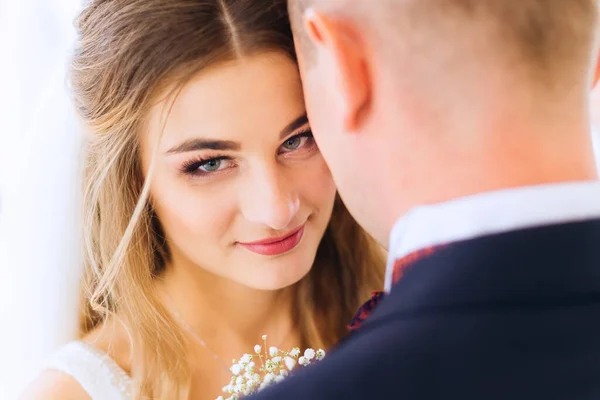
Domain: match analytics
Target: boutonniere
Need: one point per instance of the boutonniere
(268, 365)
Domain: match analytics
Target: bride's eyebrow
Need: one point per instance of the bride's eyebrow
(292, 126)
(204, 144)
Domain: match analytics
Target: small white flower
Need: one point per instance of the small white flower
(239, 381)
(295, 352)
(228, 388)
(320, 354)
(257, 348)
(269, 366)
(236, 369)
(309, 354)
(264, 337)
(279, 378)
(283, 372)
(269, 378)
(273, 351)
(303, 361)
(246, 391)
(250, 366)
(246, 358)
(237, 388)
(276, 360)
(290, 363)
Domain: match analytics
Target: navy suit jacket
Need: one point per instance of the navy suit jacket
(506, 316)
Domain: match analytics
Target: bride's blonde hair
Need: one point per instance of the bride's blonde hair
(127, 52)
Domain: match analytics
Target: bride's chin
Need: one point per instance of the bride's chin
(276, 279)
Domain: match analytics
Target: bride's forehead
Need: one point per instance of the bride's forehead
(237, 86)
(235, 101)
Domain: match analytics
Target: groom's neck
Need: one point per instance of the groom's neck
(487, 152)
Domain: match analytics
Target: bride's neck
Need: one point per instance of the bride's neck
(226, 314)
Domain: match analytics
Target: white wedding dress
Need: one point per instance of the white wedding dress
(95, 371)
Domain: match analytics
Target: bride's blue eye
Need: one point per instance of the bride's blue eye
(211, 165)
(292, 143)
(301, 141)
(208, 166)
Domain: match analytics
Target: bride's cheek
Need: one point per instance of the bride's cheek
(316, 185)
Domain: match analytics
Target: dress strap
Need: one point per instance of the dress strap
(95, 371)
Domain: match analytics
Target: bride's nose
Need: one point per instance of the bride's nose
(270, 199)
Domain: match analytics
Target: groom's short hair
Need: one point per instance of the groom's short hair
(549, 36)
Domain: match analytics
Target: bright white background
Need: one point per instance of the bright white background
(38, 196)
(39, 167)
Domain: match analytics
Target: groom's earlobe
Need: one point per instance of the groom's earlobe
(596, 73)
(340, 47)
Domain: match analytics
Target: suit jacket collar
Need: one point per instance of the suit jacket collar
(534, 268)
(491, 213)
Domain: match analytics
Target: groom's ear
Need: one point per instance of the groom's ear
(596, 73)
(339, 45)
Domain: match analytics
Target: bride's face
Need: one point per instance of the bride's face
(239, 185)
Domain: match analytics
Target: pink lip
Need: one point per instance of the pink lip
(275, 246)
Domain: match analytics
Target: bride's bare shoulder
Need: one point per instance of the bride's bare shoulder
(54, 385)
(112, 339)
(109, 339)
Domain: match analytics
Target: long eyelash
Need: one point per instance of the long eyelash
(305, 132)
(191, 166)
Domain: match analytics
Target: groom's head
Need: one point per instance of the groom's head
(420, 101)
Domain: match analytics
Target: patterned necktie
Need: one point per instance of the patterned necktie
(400, 266)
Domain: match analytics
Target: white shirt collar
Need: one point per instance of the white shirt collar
(491, 213)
